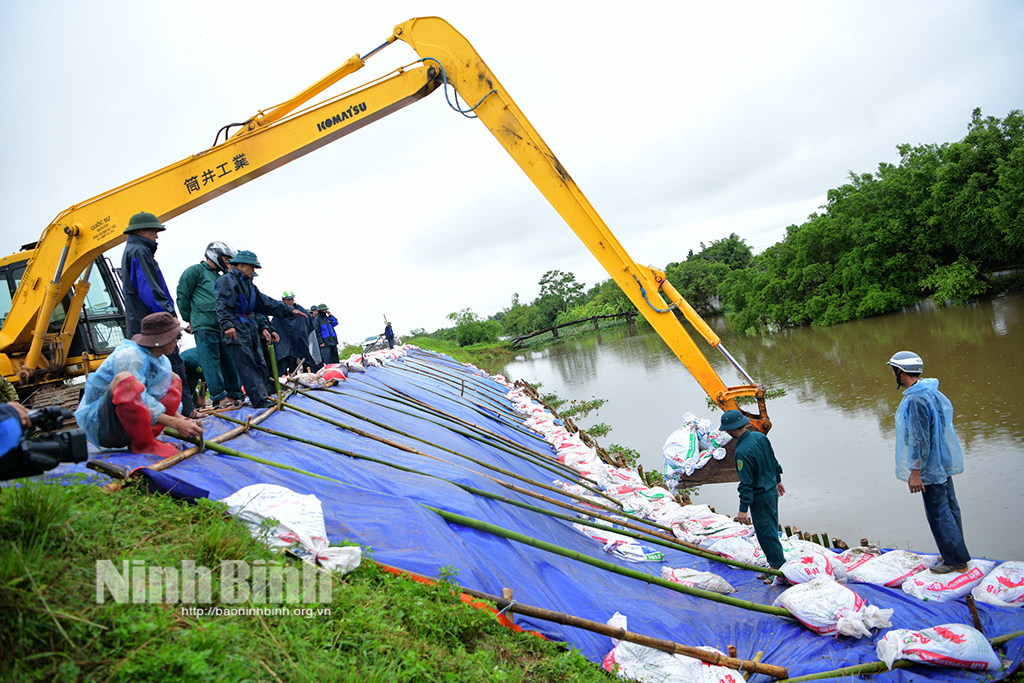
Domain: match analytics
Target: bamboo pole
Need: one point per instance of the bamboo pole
(669, 646)
(879, 667)
(607, 566)
(511, 535)
(508, 473)
(631, 530)
(549, 463)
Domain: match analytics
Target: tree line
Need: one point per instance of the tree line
(940, 224)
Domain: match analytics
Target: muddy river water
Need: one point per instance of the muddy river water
(833, 430)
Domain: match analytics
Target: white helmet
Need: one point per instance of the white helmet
(215, 251)
(907, 361)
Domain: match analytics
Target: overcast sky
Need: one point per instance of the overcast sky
(681, 121)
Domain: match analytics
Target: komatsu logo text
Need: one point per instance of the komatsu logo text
(336, 120)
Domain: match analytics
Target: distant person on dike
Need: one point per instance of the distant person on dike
(928, 454)
(389, 334)
(328, 336)
(197, 302)
(145, 291)
(760, 484)
(133, 395)
(238, 301)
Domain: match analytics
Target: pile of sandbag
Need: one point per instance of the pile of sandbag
(692, 446)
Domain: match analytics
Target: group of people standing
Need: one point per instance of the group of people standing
(138, 389)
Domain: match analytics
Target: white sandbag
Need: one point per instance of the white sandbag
(794, 546)
(695, 579)
(682, 451)
(802, 567)
(639, 663)
(891, 569)
(300, 524)
(715, 526)
(955, 646)
(946, 587)
(624, 547)
(744, 549)
(1003, 587)
(830, 608)
(854, 557)
(311, 380)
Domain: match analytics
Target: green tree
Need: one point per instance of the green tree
(469, 329)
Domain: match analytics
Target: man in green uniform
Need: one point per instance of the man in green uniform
(760, 484)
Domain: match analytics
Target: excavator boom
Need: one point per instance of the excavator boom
(268, 140)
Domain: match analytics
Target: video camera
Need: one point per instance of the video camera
(40, 453)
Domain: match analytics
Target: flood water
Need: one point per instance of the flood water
(833, 431)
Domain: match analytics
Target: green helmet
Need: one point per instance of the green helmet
(144, 221)
(246, 256)
(733, 419)
(322, 307)
(287, 294)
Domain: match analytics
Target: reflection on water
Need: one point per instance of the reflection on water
(833, 430)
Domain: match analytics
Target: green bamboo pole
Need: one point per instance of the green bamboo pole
(216, 447)
(461, 455)
(631, 530)
(542, 485)
(1003, 639)
(499, 531)
(607, 566)
(879, 667)
(484, 411)
(273, 369)
(454, 382)
(553, 465)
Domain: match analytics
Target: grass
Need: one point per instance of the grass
(488, 356)
(380, 627)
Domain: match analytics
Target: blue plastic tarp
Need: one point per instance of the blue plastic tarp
(413, 402)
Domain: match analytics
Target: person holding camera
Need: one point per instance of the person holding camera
(33, 442)
(133, 395)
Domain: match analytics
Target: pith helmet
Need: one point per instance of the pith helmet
(733, 419)
(907, 361)
(143, 221)
(246, 256)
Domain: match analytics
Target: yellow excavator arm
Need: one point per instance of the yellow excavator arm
(271, 139)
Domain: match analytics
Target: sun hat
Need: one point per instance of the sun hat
(158, 329)
(733, 419)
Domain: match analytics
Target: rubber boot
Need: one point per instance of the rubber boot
(171, 402)
(134, 417)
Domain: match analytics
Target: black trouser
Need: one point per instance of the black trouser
(178, 367)
(252, 370)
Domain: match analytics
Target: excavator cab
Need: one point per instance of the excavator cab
(101, 324)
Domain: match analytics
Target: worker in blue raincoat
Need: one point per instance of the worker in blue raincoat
(928, 454)
(328, 336)
(238, 301)
(145, 290)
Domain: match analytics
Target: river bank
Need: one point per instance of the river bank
(833, 431)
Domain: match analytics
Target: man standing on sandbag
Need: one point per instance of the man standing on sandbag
(760, 484)
(238, 301)
(928, 454)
